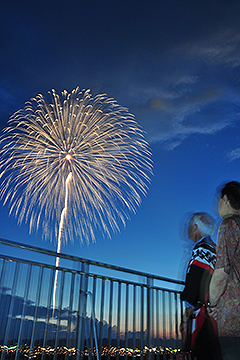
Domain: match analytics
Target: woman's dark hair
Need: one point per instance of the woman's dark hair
(232, 190)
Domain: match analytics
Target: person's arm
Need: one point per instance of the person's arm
(217, 285)
(184, 323)
(216, 289)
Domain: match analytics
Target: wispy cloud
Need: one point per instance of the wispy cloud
(221, 48)
(173, 116)
(234, 154)
(199, 97)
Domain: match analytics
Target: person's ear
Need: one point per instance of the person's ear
(225, 199)
(195, 228)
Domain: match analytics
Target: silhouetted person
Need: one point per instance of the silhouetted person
(224, 291)
(199, 334)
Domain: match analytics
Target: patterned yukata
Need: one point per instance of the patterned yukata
(228, 257)
(199, 272)
(202, 334)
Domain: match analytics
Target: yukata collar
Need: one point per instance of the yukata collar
(206, 237)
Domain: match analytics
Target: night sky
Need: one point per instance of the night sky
(175, 65)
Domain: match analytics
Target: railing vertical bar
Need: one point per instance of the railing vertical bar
(110, 316)
(90, 355)
(170, 316)
(134, 316)
(79, 314)
(80, 323)
(86, 277)
(39, 288)
(157, 317)
(149, 313)
(153, 316)
(70, 307)
(86, 341)
(83, 300)
(4, 266)
(3, 275)
(126, 317)
(26, 291)
(10, 312)
(118, 314)
(59, 313)
(93, 332)
(181, 305)
(94, 307)
(176, 319)
(142, 321)
(101, 314)
(164, 318)
(50, 295)
(89, 292)
(94, 325)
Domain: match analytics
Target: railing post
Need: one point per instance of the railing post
(10, 312)
(82, 310)
(150, 315)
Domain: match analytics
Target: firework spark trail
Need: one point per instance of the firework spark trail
(111, 164)
(63, 216)
(96, 140)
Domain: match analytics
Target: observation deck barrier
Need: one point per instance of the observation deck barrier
(83, 308)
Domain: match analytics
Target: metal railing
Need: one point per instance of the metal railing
(82, 307)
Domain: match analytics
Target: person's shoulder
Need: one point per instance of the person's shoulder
(231, 222)
(206, 243)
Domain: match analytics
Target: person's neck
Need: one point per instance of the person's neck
(231, 213)
(197, 238)
(201, 238)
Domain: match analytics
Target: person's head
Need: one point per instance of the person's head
(201, 224)
(229, 203)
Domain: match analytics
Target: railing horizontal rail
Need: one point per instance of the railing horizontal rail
(97, 276)
(82, 260)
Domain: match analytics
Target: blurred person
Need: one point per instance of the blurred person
(198, 329)
(224, 291)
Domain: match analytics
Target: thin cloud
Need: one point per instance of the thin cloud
(174, 115)
(195, 98)
(233, 155)
(220, 48)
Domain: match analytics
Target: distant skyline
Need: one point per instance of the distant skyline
(175, 65)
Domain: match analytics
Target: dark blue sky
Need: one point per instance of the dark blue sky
(174, 64)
